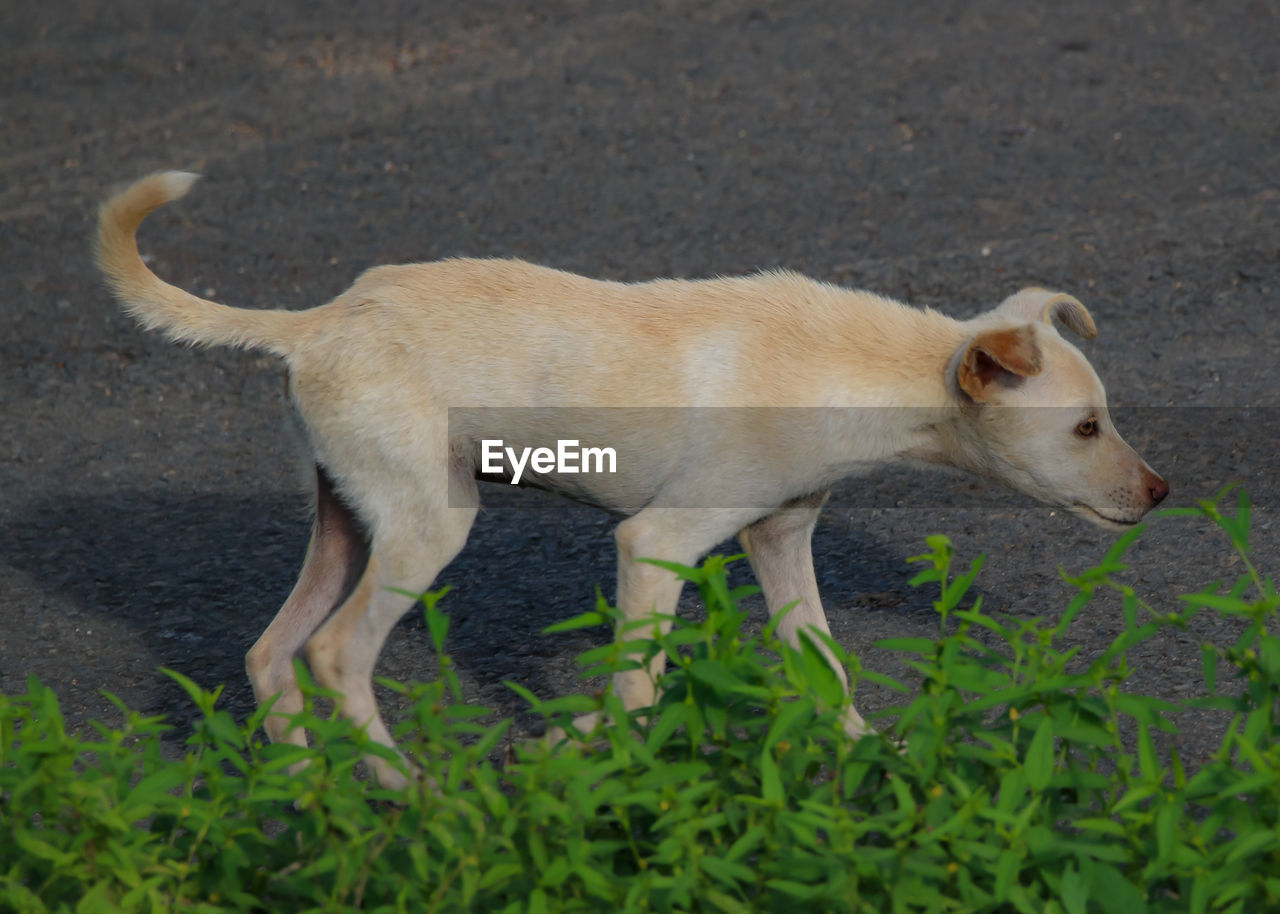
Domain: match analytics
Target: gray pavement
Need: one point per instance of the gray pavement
(942, 153)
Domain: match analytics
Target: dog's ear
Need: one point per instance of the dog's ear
(1036, 304)
(997, 353)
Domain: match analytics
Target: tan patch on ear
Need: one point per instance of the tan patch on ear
(993, 352)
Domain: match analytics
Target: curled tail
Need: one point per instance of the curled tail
(159, 305)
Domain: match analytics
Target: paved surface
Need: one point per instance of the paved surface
(945, 154)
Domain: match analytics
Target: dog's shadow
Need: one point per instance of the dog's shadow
(133, 581)
(189, 582)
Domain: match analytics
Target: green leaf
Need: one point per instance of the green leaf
(1220, 602)
(954, 592)
(32, 845)
(881, 680)
(1209, 661)
(1074, 891)
(499, 873)
(1013, 790)
(1167, 831)
(535, 703)
(1269, 655)
(1114, 893)
(928, 576)
(584, 620)
(556, 873)
(787, 716)
(1039, 760)
(729, 872)
(1007, 867)
(1129, 608)
(795, 889)
(823, 679)
(683, 572)
(1238, 527)
(1254, 845)
(199, 697)
(437, 626)
(570, 704)
(671, 717)
(1200, 889)
(1123, 544)
(715, 674)
(538, 902)
(770, 782)
(1148, 764)
(1078, 602)
(747, 843)
(673, 773)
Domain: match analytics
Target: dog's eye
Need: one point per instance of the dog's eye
(1088, 428)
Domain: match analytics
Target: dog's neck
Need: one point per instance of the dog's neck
(906, 361)
(898, 397)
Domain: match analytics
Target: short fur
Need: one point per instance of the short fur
(374, 372)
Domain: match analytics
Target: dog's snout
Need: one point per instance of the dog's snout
(1157, 488)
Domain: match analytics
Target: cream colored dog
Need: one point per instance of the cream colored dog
(797, 383)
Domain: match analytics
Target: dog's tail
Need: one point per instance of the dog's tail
(158, 305)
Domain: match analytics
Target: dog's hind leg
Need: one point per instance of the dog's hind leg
(780, 549)
(336, 556)
(412, 543)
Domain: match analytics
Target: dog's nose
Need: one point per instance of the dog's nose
(1157, 488)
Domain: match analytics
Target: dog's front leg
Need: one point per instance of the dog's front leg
(780, 548)
(643, 589)
(680, 535)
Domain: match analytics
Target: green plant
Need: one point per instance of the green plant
(1015, 777)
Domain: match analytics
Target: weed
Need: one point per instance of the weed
(1001, 784)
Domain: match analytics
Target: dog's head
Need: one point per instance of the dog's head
(1036, 416)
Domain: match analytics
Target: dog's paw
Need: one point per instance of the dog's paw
(586, 725)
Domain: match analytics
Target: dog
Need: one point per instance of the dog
(732, 406)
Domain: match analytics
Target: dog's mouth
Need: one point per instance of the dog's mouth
(1102, 520)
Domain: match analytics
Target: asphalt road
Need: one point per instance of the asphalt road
(942, 153)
